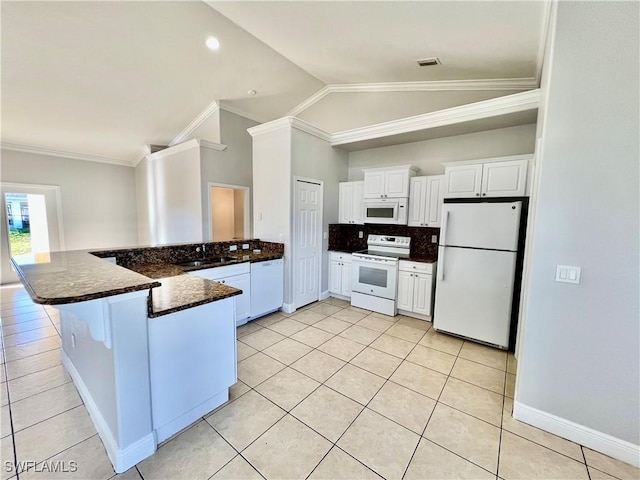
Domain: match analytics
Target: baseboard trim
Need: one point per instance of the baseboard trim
(288, 307)
(598, 441)
(122, 459)
(324, 295)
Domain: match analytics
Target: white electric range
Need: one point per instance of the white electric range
(374, 284)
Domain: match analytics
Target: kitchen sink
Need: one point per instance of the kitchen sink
(208, 261)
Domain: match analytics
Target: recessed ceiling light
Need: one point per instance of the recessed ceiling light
(252, 92)
(212, 43)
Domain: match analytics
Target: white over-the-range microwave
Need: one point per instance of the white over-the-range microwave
(386, 210)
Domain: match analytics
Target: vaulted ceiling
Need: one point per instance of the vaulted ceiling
(106, 78)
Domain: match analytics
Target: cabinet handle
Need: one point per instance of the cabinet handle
(477, 194)
(484, 194)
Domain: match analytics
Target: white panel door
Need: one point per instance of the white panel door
(357, 203)
(463, 181)
(307, 242)
(374, 184)
(504, 179)
(405, 290)
(345, 197)
(474, 293)
(346, 279)
(434, 194)
(243, 301)
(335, 277)
(397, 183)
(422, 293)
(417, 201)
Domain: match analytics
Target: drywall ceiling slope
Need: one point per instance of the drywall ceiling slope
(380, 41)
(105, 78)
(337, 112)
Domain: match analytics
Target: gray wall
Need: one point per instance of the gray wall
(98, 199)
(428, 155)
(315, 158)
(232, 166)
(580, 352)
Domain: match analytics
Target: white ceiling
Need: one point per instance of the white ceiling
(105, 78)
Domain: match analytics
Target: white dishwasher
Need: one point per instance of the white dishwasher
(267, 287)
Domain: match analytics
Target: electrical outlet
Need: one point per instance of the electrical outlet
(434, 239)
(567, 274)
(360, 234)
(245, 246)
(233, 248)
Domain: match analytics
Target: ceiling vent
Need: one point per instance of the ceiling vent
(429, 62)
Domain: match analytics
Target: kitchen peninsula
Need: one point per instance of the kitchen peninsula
(150, 348)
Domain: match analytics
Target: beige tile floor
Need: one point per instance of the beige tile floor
(326, 393)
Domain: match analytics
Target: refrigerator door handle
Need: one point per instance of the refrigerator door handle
(445, 220)
(441, 266)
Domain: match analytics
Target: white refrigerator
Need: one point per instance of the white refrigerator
(477, 258)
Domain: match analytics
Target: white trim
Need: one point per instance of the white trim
(212, 108)
(547, 9)
(288, 308)
(193, 143)
(121, 458)
(292, 122)
(518, 102)
(247, 208)
(425, 86)
(509, 158)
(310, 129)
(236, 111)
(220, 147)
(324, 295)
(59, 153)
(601, 442)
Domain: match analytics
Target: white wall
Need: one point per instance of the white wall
(177, 199)
(428, 155)
(98, 199)
(272, 194)
(315, 158)
(580, 348)
(145, 199)
(232, 166)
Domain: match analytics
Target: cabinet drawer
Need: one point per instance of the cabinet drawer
(422, 267)
(340, 257)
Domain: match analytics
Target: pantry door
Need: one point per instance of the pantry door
(307, 241)
(31, 223)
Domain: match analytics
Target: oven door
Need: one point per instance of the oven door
(377, 277)
(390, 211)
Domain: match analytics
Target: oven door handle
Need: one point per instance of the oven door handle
(371, 261)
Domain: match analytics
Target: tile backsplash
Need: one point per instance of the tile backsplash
(345, 237)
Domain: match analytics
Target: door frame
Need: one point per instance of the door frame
(5, 227)
(247, 208)
(294, 251)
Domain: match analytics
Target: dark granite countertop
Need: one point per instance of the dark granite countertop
(78, 276)
(75, 276)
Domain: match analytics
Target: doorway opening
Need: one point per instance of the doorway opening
(228, 212)
(31, 223)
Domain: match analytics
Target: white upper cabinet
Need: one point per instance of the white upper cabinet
(487, 178)
(350, 203)
(425, 201)
(387, 182)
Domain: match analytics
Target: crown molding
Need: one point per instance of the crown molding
(213, 145)
(181, 147)
(517, 102)
(426, 86)
(544, 37)
(292, 122)
(212, 108)
(62, 154)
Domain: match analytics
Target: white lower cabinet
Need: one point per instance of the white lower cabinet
(237, 276)
(340, 274)
(415, 288)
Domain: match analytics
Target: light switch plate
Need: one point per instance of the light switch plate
(568, 273)
(360, 234)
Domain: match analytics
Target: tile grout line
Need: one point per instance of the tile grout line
(13, 437)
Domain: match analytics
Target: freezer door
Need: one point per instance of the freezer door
(481, 225)
(474, 293)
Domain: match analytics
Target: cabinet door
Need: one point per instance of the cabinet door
(434, 194)
(243, 301)
(357, 203)
(397, 183)
(346, 279)
(463, 181)
(335, 277)
(374, 184)
(422, 293)
(344, 202)
(504, 179)
(405, 291)
(417, 201)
